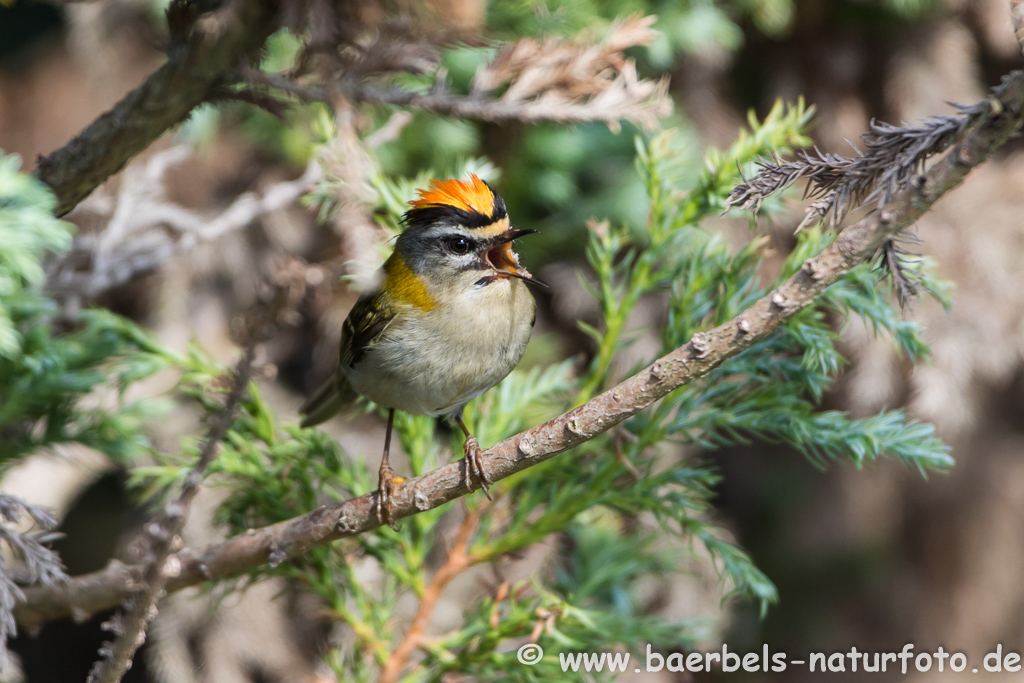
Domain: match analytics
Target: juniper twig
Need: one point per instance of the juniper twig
(896, 261)
(37, 563)
(893, 158)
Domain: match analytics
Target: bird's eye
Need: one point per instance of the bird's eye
(458, 245)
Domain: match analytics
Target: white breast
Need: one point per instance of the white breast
(434, 362)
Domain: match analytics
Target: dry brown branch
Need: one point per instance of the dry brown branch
(544, 80)
(458, 561)
(840, 184)
(627, 98)
(706, 351)
(144, 229)
(205, 51)
(894, 156)
(25, 558)
(588, 81)
(162, 535)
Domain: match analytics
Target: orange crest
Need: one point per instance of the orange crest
(469, 195)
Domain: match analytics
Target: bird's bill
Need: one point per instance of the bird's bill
(503, 259)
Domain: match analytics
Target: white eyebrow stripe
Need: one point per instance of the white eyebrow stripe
(445, 230)
(499, 227)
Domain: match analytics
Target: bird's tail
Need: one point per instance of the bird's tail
(333, 397)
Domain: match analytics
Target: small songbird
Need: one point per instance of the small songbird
(450, 319)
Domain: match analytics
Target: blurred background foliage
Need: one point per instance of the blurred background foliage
(866, 557)
(548, 170)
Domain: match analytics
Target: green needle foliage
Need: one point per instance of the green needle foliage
(613, 501)
(62, 378)
(50, 361)
(630, 505)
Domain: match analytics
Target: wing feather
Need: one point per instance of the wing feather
(365, 324)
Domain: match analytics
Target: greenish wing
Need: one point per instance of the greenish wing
(365, 324)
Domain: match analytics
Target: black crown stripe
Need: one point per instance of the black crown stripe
(425, 216)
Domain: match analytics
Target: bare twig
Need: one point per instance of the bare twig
(390, 131)
(205, 52)
(291, 538)
(627, 98)
(162, 535)
(144, 229)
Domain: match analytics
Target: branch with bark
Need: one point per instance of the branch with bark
(145, 229)
(550, 80)
(206, 49)
(574, 81)
(987, 131)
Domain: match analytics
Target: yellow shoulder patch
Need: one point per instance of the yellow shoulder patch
(468, 195)
(406, 286)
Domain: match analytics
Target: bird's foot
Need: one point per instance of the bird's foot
(475, 472)
(387, 484)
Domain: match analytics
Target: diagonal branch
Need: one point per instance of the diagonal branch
(205, 51)
(705, 351)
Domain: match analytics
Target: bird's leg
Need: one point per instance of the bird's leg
(387, 481)
(474, 462)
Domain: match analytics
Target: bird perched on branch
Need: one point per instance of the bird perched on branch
(450, 319)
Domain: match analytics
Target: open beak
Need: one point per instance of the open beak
(503, 259)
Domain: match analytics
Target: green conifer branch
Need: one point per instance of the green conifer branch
(697, 358)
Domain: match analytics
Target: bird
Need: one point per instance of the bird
(450, 318)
